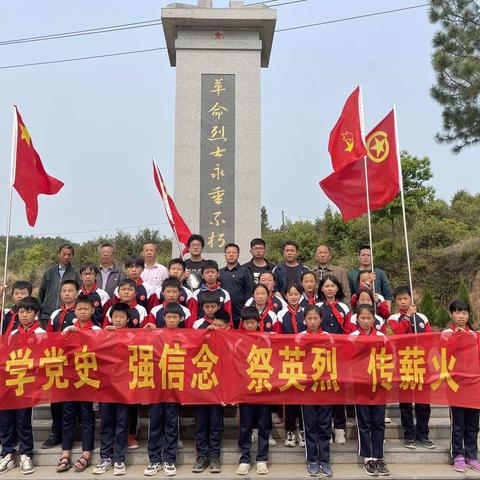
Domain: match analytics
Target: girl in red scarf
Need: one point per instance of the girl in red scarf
(309, 284)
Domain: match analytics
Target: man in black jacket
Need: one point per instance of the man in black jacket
(258, 264)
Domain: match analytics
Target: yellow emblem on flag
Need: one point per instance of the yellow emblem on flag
(378, 147)
(347, 137)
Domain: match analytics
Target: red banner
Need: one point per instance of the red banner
(201, 367)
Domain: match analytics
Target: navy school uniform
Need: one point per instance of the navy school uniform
(277, 304)
(101, 302)
(10, 320)
(197, 301)
(254, 416)
(291, 320)
(71, 410)
(156, 316)
(137, 316)
(400, 323)
(113, 431)
(185, 297)
(145, 294)
(16, 424)
(307, 300)
(370, 420)
(208, 418)
(336, 322)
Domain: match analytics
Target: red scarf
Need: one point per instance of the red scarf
(363, 332)
(335, 311)
(309, 332)
(63, 313)
(310, 299)
(85, 292)
(293, 313)
(9, 329)
(214, 287)
(29, 330)
(454, 327)
(87, 326)
(138, 281)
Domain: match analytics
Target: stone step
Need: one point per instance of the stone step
(439, 428)
(277, 472)
(395, 453)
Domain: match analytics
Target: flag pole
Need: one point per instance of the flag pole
(164, 196)
(9, 211)
(402, 198)
(369, 215)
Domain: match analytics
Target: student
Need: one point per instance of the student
(84, 311)
(253, 415)
(211, 305)
(59, 321)
(163, 422)
(308, 280)
(20, 289)
(176, 269)
(408, 320)
(209, 418)
(278, 303)
(114, 416)
(365, 282)
(16, 424)
(464, 431)
(317, 419)
(221, 321)
(263, 303)
(134, 265)
(170, 292)
(370, 418)
(365, 297)
(335, 319)
(101, 299)
(210, 275)
(290, 320)
(137, 315)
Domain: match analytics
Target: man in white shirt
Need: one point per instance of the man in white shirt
(154, 273)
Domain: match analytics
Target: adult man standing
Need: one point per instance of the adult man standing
(195, 263)
(236, 280)
(382, 285)
(49, 291)
(154, 273)
(323, 257)
(110, 274)
(290, 270)
(258, 263)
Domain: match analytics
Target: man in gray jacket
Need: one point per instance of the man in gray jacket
(111, 273)
(49, 292)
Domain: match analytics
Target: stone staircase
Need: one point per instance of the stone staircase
(286, 463)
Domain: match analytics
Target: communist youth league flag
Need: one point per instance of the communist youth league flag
(346, 143)
(346, 188)
(31, 179)
(179, 227)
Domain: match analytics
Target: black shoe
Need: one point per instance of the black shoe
(370, 468)
(52, 441)
(382, 469)
(410, 444)
(201, 463)
(426, 442)
(215, 466)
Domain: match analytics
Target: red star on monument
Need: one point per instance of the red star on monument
(218, 35)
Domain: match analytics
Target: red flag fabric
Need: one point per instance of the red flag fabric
(31, 179)
(346, 188)
(346, 143)
(177, 223)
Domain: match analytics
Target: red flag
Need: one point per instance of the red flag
(31, 179)
(346, 188)
(346, 143)
(179, 227)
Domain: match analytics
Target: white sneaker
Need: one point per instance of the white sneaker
(169, 469)
(300, 438)
(290, 439)
(243, 469)
(254, 435)
(388, 420)
(26, 465)
(153, 469)
(119, 468)
(262, 468)
(7, 463)
(103, 466)
(276, 420)
(271, 441)
(339, 434)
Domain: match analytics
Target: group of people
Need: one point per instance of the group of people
(258, 296)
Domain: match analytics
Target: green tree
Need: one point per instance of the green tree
(464, 292)
(427, 307)
(455, 61)
(443, 317)
(264, 219)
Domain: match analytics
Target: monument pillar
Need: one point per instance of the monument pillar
(218, 54)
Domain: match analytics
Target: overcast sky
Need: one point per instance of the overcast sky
(96, 123)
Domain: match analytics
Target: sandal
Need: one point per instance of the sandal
(83, 461)
(64, 464)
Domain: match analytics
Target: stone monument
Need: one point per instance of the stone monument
(218, 54)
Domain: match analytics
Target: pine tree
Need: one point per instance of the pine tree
(443, 317)
(427, 306)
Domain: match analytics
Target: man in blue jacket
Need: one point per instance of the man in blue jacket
(290, 270)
